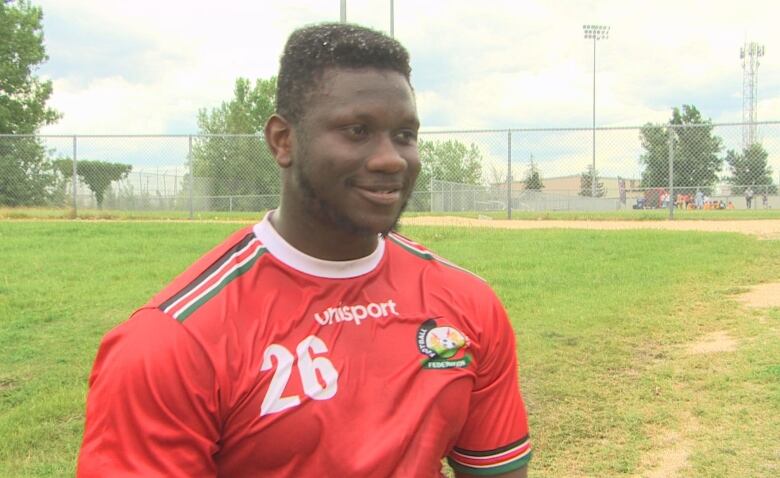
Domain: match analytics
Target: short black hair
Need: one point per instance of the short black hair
(313, 49)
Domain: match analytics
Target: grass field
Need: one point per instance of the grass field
(605, 323)
(626, 215)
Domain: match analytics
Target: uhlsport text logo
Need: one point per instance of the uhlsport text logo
(356, 313)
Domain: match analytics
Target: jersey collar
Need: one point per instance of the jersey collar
(286, 253)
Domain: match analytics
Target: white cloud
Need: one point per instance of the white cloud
(148, 66)
(104, 106)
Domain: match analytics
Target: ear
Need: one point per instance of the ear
(279, 137)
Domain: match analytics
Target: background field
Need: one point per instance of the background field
(644, 215)
(610, 327)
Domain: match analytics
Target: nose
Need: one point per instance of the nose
(387, 157)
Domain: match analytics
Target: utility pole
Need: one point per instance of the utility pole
(595, 32)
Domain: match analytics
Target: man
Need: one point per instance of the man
(318, 342)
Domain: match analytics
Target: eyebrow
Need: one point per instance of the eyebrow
(413, 121)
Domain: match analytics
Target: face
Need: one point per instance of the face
(354, 159)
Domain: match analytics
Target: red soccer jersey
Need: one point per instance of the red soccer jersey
(262, 361)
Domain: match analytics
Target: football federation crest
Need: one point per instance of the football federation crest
(444, 346)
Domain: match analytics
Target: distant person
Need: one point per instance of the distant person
(765, 200)
(698, 201)
(665, 200)
(318, 342)
(749, 197)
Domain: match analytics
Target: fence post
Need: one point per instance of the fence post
(430, 206)
(671, 172)
(509, 174)
(75, 180)
(192, 176)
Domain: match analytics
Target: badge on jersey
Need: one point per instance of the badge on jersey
(444, 346)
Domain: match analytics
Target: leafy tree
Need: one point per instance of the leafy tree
(237, 165)
(532, 179)
(750, 168)
(26, 175)
(586, 183)
(695, 148)
(23, 102)
(449, 160)
(98, 175)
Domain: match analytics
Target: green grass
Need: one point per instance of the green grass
(603, 322)
(626, 215)
(107, 214)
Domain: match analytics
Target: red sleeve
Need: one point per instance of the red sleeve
(151, 408)
(494, 438)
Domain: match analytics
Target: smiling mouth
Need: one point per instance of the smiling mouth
(383, 197)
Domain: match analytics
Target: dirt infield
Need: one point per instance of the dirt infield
(764, 228)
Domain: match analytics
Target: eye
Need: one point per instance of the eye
(357, 131)
(406, 136)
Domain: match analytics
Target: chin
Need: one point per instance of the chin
(368, 223)
(386, 224)
(377, 226)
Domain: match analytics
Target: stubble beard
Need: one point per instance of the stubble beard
(326, 212)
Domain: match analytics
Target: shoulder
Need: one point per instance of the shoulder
(424, 257)
(149, 339)
(209, 274)
(419, 262)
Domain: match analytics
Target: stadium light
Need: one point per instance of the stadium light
(392, 19)
(594, 32)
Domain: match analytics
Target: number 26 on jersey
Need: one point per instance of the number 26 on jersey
(307, 368)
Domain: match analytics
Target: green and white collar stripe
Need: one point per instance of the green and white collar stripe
(232, 264)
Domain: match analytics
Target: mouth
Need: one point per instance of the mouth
(381, 195)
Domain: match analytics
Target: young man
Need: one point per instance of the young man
(318, 342)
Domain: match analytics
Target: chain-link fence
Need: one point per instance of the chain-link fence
(701, 166)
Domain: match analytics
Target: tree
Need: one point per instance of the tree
(750, 168)
(98, 175)
(695, 148)
(226, 165)
(532, 179)
(450, 161)
(26, 174)
(586, 183)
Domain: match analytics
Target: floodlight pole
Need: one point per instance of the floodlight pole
(343, 11)
(593, 171)
(392, 19)
(596, 32)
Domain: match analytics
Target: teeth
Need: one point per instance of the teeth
(383, 191)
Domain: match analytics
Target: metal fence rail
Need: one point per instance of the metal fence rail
(703, 166)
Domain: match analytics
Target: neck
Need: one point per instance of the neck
(326, 241)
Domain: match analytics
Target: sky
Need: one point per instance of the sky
(147, 67)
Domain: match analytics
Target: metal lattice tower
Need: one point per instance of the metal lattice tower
(750, 54)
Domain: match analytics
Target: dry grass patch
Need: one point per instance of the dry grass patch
(761, 296)
(714, 342)
(671, 455)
